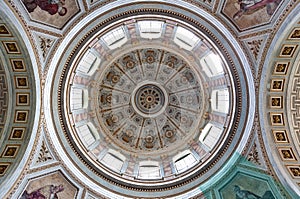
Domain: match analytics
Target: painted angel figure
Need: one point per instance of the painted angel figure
(244, 194)
(46, 192)
(50, 6)
(251, 6)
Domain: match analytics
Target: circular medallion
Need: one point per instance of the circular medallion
(149, 99)
(147, 105)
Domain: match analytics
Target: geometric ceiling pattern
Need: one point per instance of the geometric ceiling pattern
(281, 104)
(149, 99)
(18, 100)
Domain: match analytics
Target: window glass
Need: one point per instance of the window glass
(150, 29)
(86, 135)
(184, 160)
(185, 38)
(210, 135)
(211, 65)
(149, 170)
(220, 100)
(115, 38)
(113, 160)
(76, 99)
(89, 63)
(79, 98)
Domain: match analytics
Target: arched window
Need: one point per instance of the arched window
(115, 38)
(89, 63)
(185, 38)
(79, 98)
(184, 161)
(220, 100)
(113, 160)
(210, 135)
(212, 64)
(149, 170)
(88, 134)
(150, 29)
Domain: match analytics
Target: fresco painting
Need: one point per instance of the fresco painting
(51, 12)
(250, 13)
(45, 192)
(53, 186)
(243, 186)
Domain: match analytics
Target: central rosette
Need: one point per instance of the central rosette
(150, 99)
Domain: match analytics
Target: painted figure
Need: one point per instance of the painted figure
(50, 6)
(250, 6)
(46, 192)
(244, 194)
